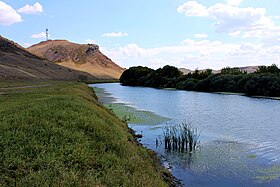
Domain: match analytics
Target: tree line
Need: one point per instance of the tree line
(264, 82)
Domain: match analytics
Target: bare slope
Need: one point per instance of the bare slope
(18, 63)
(249, 69)
(83, 57)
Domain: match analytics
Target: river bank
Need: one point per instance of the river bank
(231, 152)
(60, 135)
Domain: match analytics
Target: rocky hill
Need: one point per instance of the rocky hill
(17, 63)
(82, 57)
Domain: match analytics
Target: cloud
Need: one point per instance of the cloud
(8, 15)
(234, 2)
(193, 8)
(39, 35)
(228, 18)
(234, 34)
(115, 34)
(202, 54)
(200, 35)
(37, 8)
(231, 19)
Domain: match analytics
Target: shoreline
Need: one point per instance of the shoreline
(72, 139)
(168, 177)
(222, 93)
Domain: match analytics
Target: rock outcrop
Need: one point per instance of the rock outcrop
(82, 57)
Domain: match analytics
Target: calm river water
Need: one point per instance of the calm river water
(239, 143)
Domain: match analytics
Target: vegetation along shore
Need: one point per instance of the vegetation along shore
(264, 82)
(58, 134)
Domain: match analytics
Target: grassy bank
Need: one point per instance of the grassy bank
(59, 135)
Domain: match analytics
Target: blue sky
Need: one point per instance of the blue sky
(190, 34)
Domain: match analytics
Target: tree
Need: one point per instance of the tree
(135, 75)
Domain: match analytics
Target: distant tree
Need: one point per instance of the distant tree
(232, 71)
(169, 71)
(188, 84)
(265, 82)
(134, 76)
(268, 69)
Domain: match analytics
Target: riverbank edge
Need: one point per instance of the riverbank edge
(31, 88)
(171, 180)
(222, 93)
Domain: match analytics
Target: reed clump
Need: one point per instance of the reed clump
(182, 137)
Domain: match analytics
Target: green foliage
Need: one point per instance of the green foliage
(168, 72)
(268, 69)
(61, 136)
(182, 137)
(143, 76)
(264, 82)
(232, 71)
(134, 76)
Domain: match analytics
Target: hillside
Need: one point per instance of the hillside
(248, 69)
(18, 63)
(82, 57)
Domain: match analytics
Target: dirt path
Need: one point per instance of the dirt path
(20, 70)
(8, 90)
(22, 87)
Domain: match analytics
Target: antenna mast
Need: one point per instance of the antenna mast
(47, 34)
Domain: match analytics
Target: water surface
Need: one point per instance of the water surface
(239, 143)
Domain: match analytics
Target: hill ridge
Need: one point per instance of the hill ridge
(18, 63)
(83, 57)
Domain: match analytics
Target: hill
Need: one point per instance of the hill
(248, 69)
(82, 57)
(17, 63)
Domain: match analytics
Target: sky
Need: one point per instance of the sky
(184, 33)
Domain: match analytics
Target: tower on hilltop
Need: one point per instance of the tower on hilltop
(47, 34)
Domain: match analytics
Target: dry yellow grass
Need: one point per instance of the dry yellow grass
(82, 57)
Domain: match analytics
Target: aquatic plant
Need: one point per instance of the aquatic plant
(182, 137)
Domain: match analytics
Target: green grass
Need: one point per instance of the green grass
(268, 174)
(252, 156)
(134, 116)
(61, 136)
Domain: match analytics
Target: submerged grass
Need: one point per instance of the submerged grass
(134, 116)
(61, 136)
(269, 174)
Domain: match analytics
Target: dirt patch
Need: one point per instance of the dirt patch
(23, 87)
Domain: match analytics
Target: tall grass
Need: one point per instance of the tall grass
(61, 136)
(182, 137)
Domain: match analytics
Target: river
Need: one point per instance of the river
(239, 143)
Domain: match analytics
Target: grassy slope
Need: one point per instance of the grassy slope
(61, 136)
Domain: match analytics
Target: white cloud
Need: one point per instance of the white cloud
(8, 15)
(234, 2)
(234, 34)
(193, 8)
(201, 35)
(115, 34)
(37, 8)
(202, 54)
(228, 18)
(231, 19)
(39, 35)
